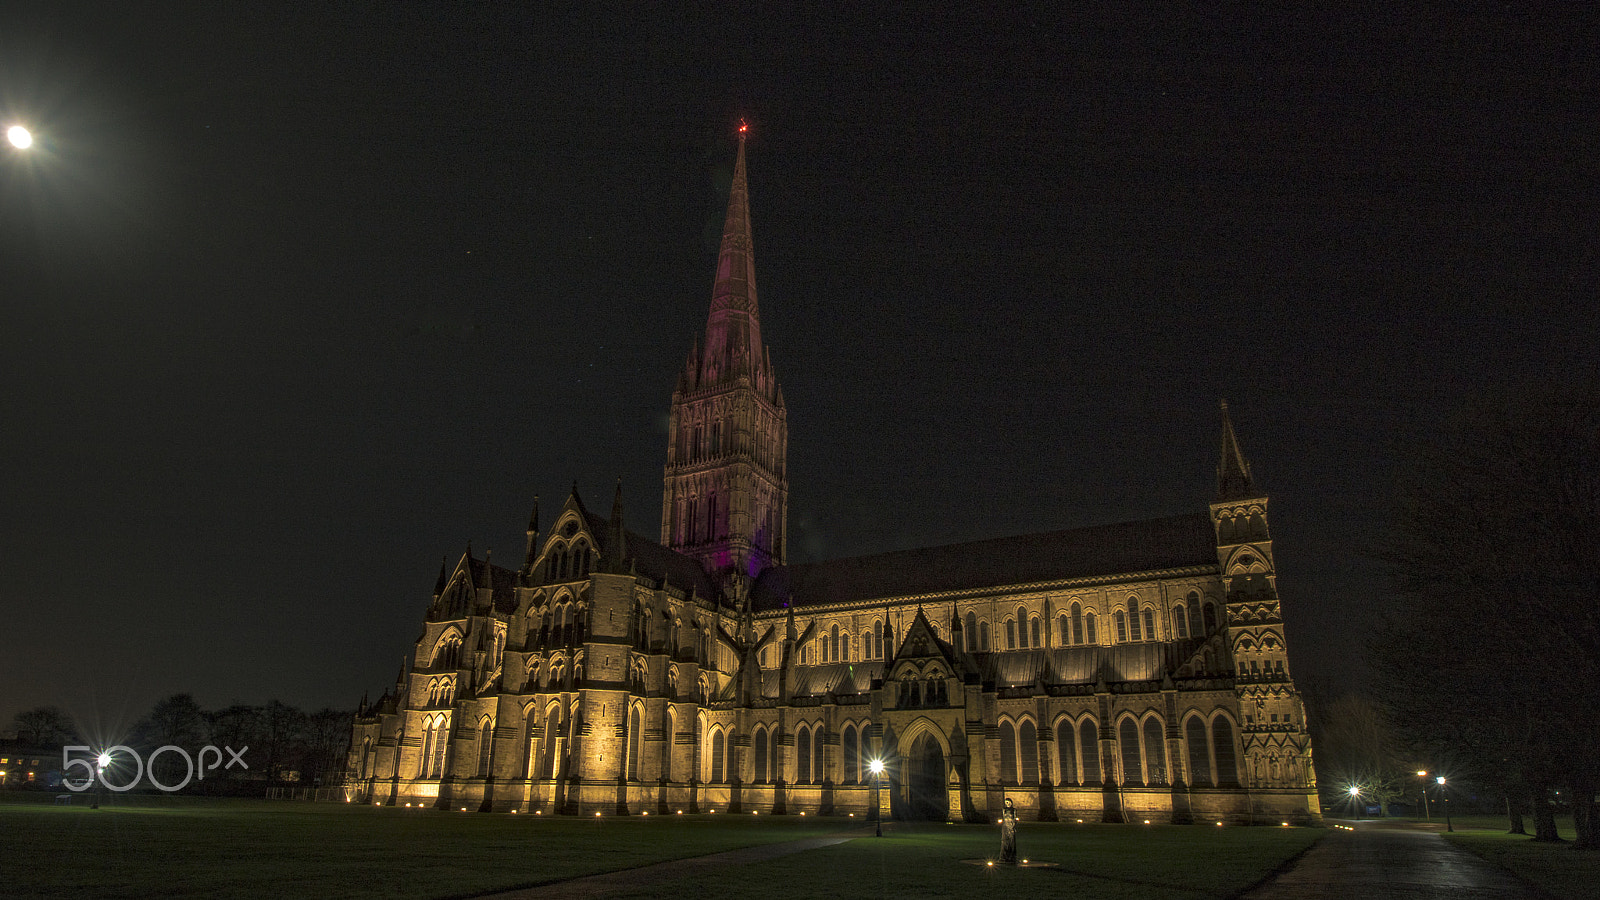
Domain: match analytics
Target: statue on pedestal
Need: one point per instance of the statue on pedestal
(1008, 834)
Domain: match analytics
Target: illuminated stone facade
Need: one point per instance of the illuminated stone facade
(1115, 673)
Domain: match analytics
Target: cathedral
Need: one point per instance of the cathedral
(1116, 673)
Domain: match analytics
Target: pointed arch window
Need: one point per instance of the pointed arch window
(1011, 634)
(833, 645)
(1180, 622)
(983, 636)
(666, 750)
(635, 742)
(1088, 623)
(1155, 751)
(1132, 763)
(1033, 629)
(761, 755)
(1199, 757)
(1028, 744)
(485, 745)
(1022, 626)
(1064, 630)
(852, 755)
(1008, 753)
(1133, 619)
(802, 752)
(1066, 742)
(553, 736)
(1077, 623)
(1089, 751)
(1196, 627)
(1222, 751)
(1122, 626)
(970, 633)
(716, 775)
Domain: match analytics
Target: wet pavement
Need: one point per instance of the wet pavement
(1390, 861)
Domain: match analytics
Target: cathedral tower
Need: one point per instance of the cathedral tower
(725, 495)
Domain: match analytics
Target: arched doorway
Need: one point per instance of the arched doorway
(927, 795)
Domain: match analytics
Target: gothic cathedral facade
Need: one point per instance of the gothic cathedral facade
(1114, 673)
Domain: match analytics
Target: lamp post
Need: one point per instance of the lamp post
(1355, 800)
(100, 764)
(1423, 774)
(1444, 799)
(877, 785)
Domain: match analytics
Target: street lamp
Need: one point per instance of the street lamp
(1445, 799)
(1355, 800)
(19, 137)
(1423, 774)
(100, 764)
(877, 785)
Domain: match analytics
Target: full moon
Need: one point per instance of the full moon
(19, 137)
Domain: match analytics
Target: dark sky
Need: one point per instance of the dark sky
(297, 298)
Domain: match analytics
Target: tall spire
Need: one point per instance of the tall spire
(724, 494)
(1233, 472)
(733, 329)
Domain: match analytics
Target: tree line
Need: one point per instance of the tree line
(1487, 665)
(280, 744)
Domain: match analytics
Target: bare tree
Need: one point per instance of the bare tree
(43, 726)
(1493, 647)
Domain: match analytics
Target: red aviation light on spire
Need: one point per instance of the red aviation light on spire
(743, 127)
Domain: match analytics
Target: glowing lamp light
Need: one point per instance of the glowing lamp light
(408, 804)
(513, 812)
(991, 862)
(103, 760)
(1440, 779)
(1147, 821)
(1219, 824)
(1422, 773)
(680, 812)
(1286, 824)
(463, 809)
(597, 815)
(1355, 792)
(21, 139)
(877, 767)
(538, 812)
(645, 813)
(1080, 821)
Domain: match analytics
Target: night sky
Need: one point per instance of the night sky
(296, 299)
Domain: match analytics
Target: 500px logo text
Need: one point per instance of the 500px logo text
(95, 766)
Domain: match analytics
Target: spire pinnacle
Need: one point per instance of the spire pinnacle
(733, 330)
(616, 535)
(1233, 471)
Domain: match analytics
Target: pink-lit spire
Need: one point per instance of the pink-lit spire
(733, 329)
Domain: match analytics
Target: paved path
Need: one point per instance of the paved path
(1391, 861)
(645, 876)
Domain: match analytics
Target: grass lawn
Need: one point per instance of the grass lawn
(177, 847)
(1101, 861)
(1556, 868)
(181, 847)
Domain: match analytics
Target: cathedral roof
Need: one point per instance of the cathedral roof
(646, 557)
(1146, 661)
(1173, 542)
(814, 681)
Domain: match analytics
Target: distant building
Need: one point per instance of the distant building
(1122, 672)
